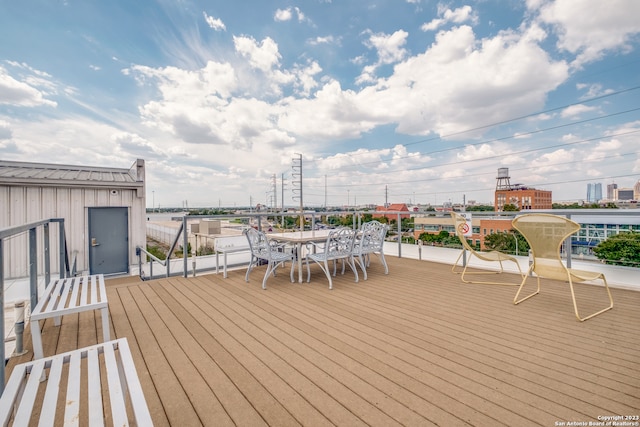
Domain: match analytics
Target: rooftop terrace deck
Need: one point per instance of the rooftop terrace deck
(416, 347)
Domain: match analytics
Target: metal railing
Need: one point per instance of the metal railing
(313, 216)
(64, 268)
(252, 218)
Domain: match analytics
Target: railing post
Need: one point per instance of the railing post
(399, 236)
(185, 247)
(61, 249)
(567, 247)
(33, 267)
(2, 355)
(47, 258)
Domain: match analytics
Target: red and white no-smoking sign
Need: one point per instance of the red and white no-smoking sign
(465, 228)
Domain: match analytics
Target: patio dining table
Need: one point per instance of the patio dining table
(299, 238)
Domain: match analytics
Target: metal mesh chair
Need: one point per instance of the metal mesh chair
(493, 256)
(545, 234)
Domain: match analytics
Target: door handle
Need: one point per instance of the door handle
(94, 242)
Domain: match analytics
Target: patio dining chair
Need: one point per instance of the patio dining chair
(263, 248)
(545, 234)
(494, 256)
(337, 246)
(370, 240)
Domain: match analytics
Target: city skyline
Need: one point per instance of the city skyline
(411, 100)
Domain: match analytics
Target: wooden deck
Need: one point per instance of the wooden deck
(414, 348)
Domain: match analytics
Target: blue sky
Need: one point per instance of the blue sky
(412, 101)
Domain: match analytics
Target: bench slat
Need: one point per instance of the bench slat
(102, 290)
(138, 402)
(96, 414)
(51, 395)
(118, 408)
(72, 404)
(94, 293)
(49, 301)
(78, 285)
(25, 406)
(11, 392)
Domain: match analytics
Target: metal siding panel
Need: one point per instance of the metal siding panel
(137, 225)
(33, 206)
(16, 250)
(5, 206)
(50, 210)
(102, 197)
(63, 209)
(78, 226)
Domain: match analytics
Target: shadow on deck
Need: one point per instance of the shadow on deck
(415, 347)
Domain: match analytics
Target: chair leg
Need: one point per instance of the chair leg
(363, 267)
(270, 269)
(481, 273)
(524, 280)
(575, 305)
(326, 271)
(352, 265)
(384, 262)
(455, 264)
(246, 276)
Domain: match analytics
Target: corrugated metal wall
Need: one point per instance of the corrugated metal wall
(20, 205)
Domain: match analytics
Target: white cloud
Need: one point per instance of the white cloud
(214, 23)
(17, 93)
(263, 56)
(446, 88)
(389, 46)
(575, 111)
(589, 28)
(457, 16)
(389, 49)
(323, 40)
(283, 15)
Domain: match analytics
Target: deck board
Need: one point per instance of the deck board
(415, 347)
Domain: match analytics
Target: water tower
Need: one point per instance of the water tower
(503, 179)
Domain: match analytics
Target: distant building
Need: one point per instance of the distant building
(624, 194)
(480, 227)
(594, 192)
(398, 207)
(636, 191)
(611, 191)
(522, 197)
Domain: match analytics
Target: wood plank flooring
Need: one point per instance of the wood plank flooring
(416, 347)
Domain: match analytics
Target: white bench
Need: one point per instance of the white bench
(119, 380)
(228, 245)
(66, 296)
